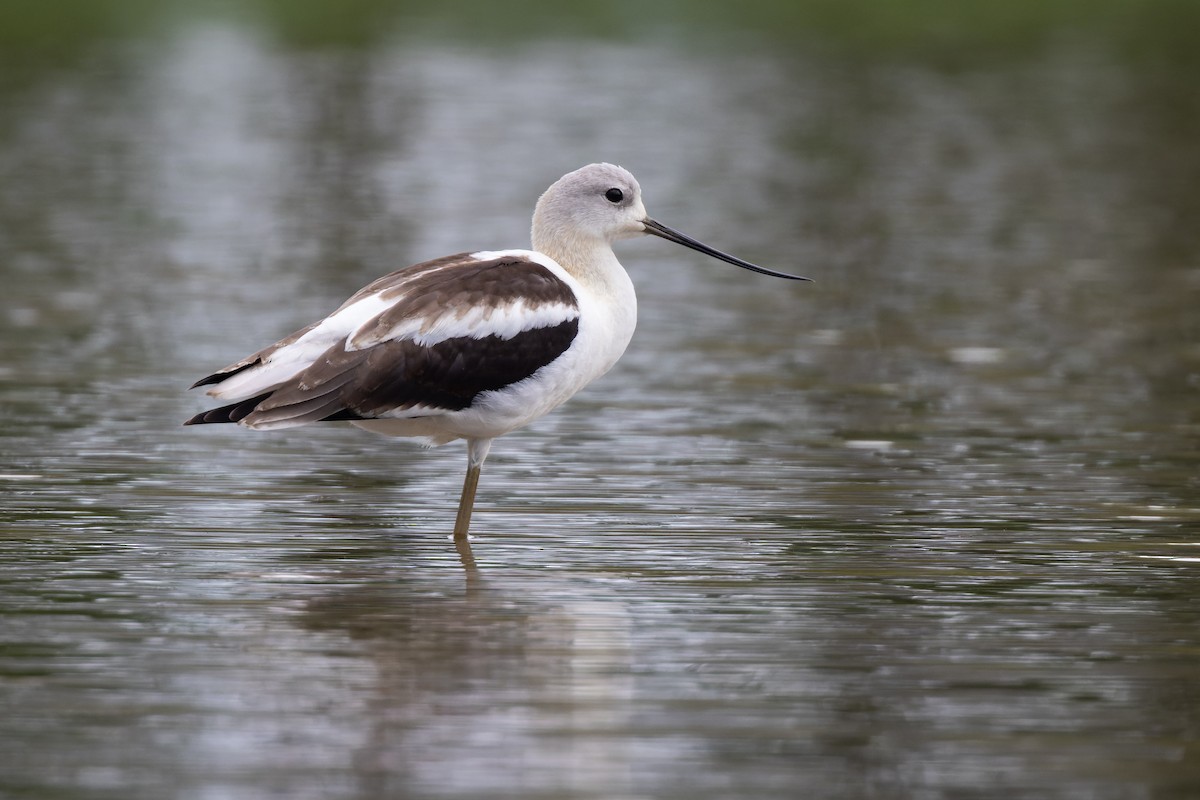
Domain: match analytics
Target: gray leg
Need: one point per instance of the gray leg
(477, 450)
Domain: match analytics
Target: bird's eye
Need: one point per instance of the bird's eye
(614, 195)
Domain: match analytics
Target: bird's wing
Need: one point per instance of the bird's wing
(276, 363)
(420, 341)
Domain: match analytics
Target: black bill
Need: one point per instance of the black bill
(658, 229)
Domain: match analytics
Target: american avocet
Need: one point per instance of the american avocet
(470, 346)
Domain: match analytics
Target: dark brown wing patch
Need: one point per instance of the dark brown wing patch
(451, 374)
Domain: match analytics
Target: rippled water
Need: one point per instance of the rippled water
(926, 528)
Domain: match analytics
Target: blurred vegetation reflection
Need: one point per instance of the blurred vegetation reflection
(1154, 40)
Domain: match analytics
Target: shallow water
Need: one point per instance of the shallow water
(927, 528)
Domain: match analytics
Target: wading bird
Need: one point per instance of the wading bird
(470, 346)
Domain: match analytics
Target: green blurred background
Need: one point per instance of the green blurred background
(1156, 30)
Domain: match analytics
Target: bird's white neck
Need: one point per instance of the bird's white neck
(589, 259)
(592, 262)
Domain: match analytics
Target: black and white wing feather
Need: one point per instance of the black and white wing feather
(425, 340)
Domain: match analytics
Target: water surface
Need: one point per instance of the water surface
(926, 528)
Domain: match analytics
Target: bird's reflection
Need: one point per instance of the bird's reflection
(478, 681)
(463, 545)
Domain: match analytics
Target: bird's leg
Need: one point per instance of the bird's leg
(477, 450)
(466, 503)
